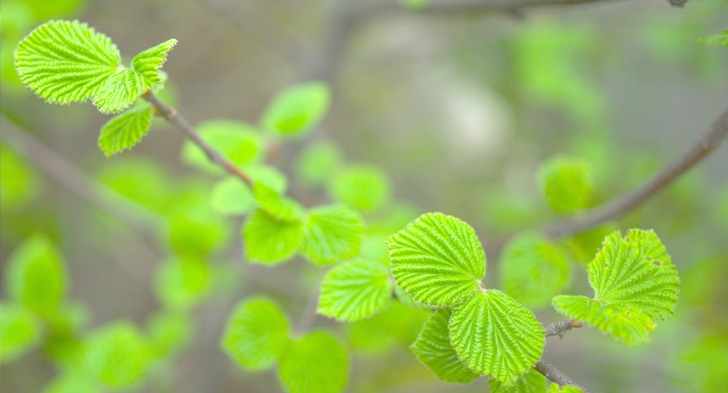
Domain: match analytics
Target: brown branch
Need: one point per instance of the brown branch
(181, 124)
(453, 7)
(553, 374)
(632, 199)
(558, 328)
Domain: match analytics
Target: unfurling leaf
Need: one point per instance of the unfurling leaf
(355, 290)
(119, 91)
(125, 130)
(148, 63)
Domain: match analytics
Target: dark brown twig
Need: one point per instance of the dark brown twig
(181, 124)
(553, 374)
(632, 199)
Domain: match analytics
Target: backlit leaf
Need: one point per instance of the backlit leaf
(331, 234)
(360, 186)
(116, 355)
(125, 130)
(277, 205)
(269, 240)
(232, 196)
(317, 162)
(567, 183)
(555, 388)
(496, 336)
(181, 283)
(355, 290)
(119, 91)
(531, 382)
(437, 259)
(256, 333)
(19, 331)
(317, 363)
(297, 109)
(148, 63)
(720, 39)
(434, 350)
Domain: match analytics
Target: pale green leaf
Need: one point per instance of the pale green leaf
(317, 363)
(117, 355)
(567, 183)
(44, 10)
(19, 331)
(125, 130)
(317, 162)
(363, 187)
(531, 382)
(406, 299)
(621, 320)
(533, 270)
(72, 383)
(394, 327)
(434, 350)
(256, 333)
(297, 109)
(237, 141)
(437, 259)
(168, 333)
(66, 61)
(269, 240)
(355, 290)
(36, 276)
(718, 40)
(148, 63)
(496, 336)
(232, 196)
(331, 234)
(276, 205)
(555, 388)
(20, 183)
(182, 283)
(636, 270)
(119, 91)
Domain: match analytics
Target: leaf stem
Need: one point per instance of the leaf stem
(553, 374)
(181, 124)
(634, 198)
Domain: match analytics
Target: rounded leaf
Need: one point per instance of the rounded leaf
(315, 364)
(297, 109)
(269, 240)
(331, 234)
(125, 130)
(360, 186)
(567, 183)
(355, 290)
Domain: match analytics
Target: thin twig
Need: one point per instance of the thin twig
(453, 7)
(181, 124)
(632, 199)
(553, 374)
(558, 328)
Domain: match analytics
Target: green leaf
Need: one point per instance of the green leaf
(148, 63)
(317, 162)
(555, 388)
(256, 333)
(270, 240)
(567, 183)
(119, 91)
(355, 290)
(718, 40)
(116, 355)
(143, 180)
(531, 382)
(434, 350)
(636, 270)
(315, 364)
(123, 131)
(36, 276)
(396, 325)
(232, 196)
(181, 283)
(496, 336)
(19, 331)
(331, 234)
(622, 321)
(363, 187)
(437, 259)
(66, 61)
(19, 182)
(297, 109)
(168, 333)
(533, 270)
(276, 205)
(237, 141)
(72, 383)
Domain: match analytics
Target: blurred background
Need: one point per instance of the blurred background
(451, 109)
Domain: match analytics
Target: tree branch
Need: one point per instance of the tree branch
(181, 124)
(558, 328)
(619, 206)
(553, 374)
(452, 7)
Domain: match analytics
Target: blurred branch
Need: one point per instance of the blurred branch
(558, 328)
(308, 314)
(553, 374)
(632, 199)
(462, 6)
(181, 124)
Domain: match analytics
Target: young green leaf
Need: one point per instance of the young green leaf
(36, 276)
(256, 333)
(116, 355)
(237, 141)
(270, 240)
(148, 63)
(315, 364)
(119, 91)
(437, 259)
(720, 39)
(317, 162)
(355, 290)
(555, 388)
(567, 183)
(396, 325)
(434, 350)
(496, 336)
(19, 331)
(363, 187)
(530, 382)
(297, 109)
(168, 333)
(533, 270)
(276, 205)
(124, 130)
(181, 284)
(231, 196)
(66, 61)
(331, 234)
